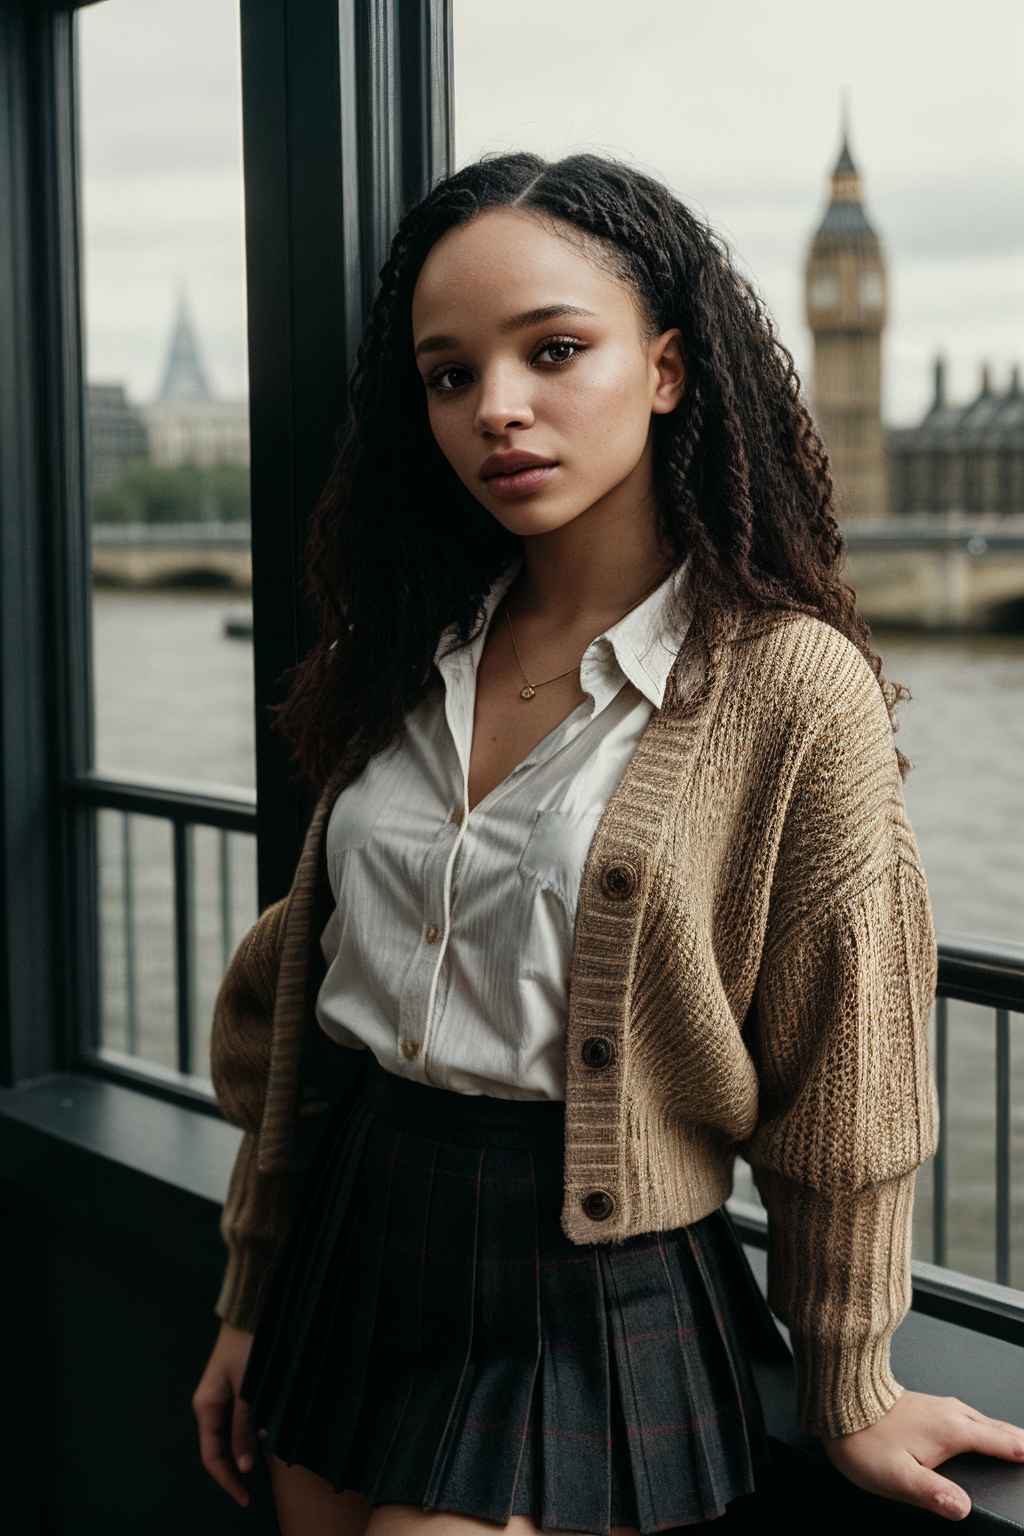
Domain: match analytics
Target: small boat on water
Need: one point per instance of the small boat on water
(238, 624)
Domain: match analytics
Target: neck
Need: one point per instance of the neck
(602, 562)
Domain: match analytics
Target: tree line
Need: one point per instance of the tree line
(174, 493)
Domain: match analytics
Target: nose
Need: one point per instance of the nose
(503, 403)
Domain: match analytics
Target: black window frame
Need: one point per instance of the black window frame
(347, 120)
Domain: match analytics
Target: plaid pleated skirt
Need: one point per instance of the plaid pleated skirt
(430, 1336)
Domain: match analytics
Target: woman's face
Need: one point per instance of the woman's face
(541, 375)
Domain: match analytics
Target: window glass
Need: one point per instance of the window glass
(740, 109)
(167, 417)
(866, 165)
(168, 477)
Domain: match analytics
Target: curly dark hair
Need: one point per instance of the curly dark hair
(399, 549)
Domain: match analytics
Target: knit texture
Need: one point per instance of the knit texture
(754, 941)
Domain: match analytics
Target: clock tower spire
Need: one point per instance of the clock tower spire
(846, 313)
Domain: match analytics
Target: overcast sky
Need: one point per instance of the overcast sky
(736, 105)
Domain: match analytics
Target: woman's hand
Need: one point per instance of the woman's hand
(895, 1456)
(226, 1441)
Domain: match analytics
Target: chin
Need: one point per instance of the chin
(528, 517)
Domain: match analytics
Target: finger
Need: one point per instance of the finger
(213, 1452)
(983, 1418)
(243, 1441)
(992, 1439)
(930, 1490)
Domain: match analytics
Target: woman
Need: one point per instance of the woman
(612, 880)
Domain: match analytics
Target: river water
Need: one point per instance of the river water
(173, 699)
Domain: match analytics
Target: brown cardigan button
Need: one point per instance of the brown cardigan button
(599, 1204)
(618, 880)
(597, 1052)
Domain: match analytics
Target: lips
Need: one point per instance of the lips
(516, 473)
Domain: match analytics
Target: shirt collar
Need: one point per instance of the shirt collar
(640, 648)
(646, 641)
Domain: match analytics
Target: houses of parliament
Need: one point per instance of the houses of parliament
(962, 460)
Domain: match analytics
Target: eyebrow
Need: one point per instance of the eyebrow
(516, 323)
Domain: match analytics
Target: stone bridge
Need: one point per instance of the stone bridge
(172, 555)
(929, 574)
(937, 573)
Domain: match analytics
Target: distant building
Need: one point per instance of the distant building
(966, 459)
(115, 434)
(185, 423)
(846, 311)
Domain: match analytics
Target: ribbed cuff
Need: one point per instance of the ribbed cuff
(839, 1277)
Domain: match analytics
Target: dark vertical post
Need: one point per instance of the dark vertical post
(428, 116)
(226, 897)
(184, 939)
(1003, 1146)
(346, 118)
(940, 1163)
(44, 721)
(131, 1001)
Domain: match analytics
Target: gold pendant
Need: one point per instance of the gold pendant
(527, 692)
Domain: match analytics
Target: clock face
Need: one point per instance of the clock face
(872, 290)
(825, 291)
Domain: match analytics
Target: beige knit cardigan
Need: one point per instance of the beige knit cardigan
(754, 941)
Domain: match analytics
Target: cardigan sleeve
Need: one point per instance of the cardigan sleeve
(847, 1107)
(258, 1204)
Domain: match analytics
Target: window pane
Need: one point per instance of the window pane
(739, 109)
(159, 114)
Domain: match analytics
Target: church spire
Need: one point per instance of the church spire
(184, 377)
(845, 213)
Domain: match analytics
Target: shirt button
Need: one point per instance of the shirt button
(457, 815)
(597, 1052)
(598, 1204)
(410, 1049)
(433, 933)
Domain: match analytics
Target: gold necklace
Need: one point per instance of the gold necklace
(527, 692)
(531, 688)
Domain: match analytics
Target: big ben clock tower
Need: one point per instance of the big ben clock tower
(846, 314)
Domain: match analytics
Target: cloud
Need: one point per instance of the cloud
(735, 105)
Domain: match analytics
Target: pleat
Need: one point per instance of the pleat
(733, 1453)
(338, 1350)
(683, 1402)
(574, 1478)
(396, 1347)
(420, 1360)
(277, 1383)
(490, 1427)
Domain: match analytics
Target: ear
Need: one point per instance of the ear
(667, 359)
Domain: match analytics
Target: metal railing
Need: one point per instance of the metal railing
(183, 810)
(974, 970)
(990, 974)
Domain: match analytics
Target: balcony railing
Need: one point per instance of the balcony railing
(991, 975)
(126, 814)
(971, 971)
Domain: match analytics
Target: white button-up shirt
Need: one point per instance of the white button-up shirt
(450, 946)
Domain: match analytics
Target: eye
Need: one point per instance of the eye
(558, 351)
(449, 378)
